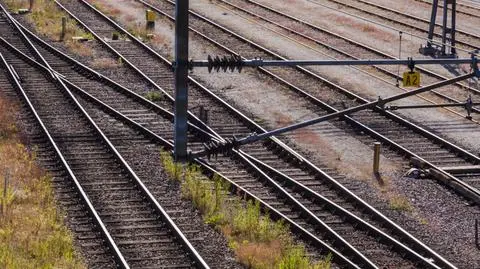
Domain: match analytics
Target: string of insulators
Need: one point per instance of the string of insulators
(225, 63)
(213, 148)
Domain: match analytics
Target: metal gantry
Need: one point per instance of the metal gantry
(447, 47)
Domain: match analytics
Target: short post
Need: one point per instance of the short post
(31, 6)
(477, 239)
(150, 17)
(64, 28)
(376, 158)
(203, 114)
(4, 197)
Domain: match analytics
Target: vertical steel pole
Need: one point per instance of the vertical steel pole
(445, 25)
(453, 26)
(432, 23)
(181, 78)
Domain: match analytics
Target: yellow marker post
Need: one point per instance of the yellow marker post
(150, 16)
(411, 79)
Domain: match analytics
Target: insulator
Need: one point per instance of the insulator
(225, 63)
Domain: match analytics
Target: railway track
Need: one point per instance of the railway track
(77, 12)
(312, 87)
(461, 8)
(341, 47)
(279, 19)
(138, 231)
(90, 74)
(465, 40)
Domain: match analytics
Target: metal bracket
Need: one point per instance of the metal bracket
(474, 65)
(411, 64)
(469, 106)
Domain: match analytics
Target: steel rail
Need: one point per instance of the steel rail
(116, 86)
(339, 241)
(157, 139)
(369, 105)
(119, 259)
(275, 214)
(355, 43)
(415, 18)
(154, 137)
(307, 192)
(458, 185)
(158, 208)
(321, 43)
(191, 116)
(458, 10)
(166, 144)
(465, 44)
(150, 198)
(470, 6)
(348, 93)
(370, 209)
(455, 182)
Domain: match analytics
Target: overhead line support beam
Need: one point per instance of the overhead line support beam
(380, 102)
(234, 143)
(236, 62)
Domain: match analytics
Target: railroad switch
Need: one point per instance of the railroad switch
(416, 173)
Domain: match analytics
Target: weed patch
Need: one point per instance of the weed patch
(46, 17)
(154, 96)
(400, 203)
(32, 234)
(258, 241)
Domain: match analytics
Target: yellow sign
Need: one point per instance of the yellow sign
(150, 15)
(411, 79)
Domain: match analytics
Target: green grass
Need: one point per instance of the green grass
(154, 96)
(258, 241)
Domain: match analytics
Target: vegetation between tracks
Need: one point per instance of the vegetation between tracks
(258, 241)
(32, 233)
(47, 19)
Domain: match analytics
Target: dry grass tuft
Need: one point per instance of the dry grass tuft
(32, 234)
(135, 25)
(368, 28)
(105, 63)
(47, 19)
(400, 203)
